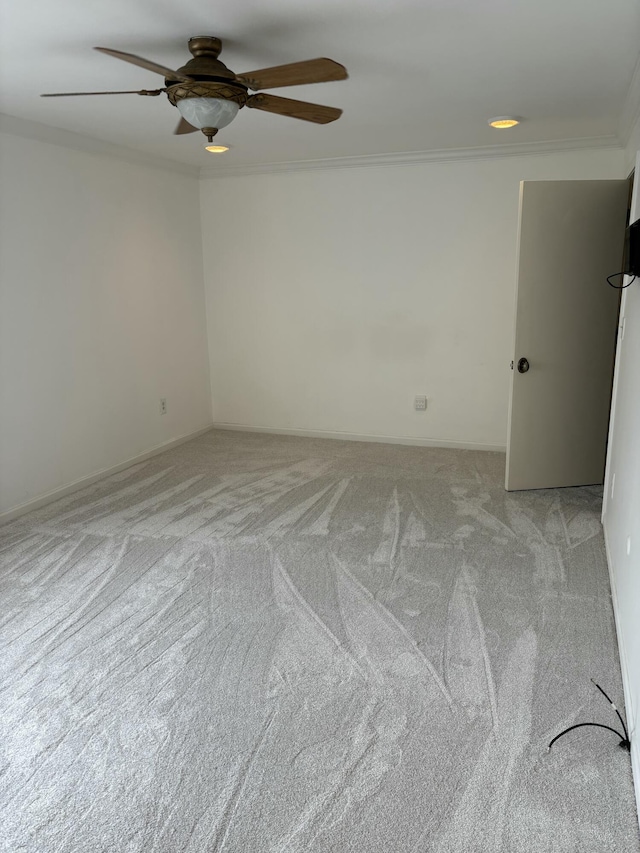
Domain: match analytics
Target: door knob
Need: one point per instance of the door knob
(523, 365)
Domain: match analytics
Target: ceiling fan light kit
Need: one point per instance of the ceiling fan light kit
(208, 95)
(207, 112)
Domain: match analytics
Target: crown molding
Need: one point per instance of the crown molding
(410, 158)
(631, 109)
(26, 129)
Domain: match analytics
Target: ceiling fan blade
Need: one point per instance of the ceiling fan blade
(127, 92)
(295, 109)
(169, 73)
(184, 127)
(294, 74)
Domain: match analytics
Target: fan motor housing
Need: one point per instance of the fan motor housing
(207, 89)
(211, 78)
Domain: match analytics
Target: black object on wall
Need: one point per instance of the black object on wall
(630, 258)
(631, 262)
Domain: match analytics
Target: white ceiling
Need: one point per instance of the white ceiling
(424, 74)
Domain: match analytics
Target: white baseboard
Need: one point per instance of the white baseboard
(354, 436)
(635, 770)
(624, 668)
(63, 491)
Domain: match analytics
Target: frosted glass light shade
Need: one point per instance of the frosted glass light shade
(208, 112)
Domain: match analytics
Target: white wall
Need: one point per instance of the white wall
(335, 296)
(101, 314)
(632, 147)
(621, 517)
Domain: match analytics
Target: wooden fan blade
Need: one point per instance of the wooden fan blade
(127, 92)
(295, 109)
(294, 74)
(169, 73)
(184, 127)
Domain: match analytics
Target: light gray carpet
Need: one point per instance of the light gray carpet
(266, 644)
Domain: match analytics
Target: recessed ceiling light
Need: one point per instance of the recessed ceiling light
(502, 122)
(217, 149)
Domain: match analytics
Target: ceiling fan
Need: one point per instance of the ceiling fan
(209, 95)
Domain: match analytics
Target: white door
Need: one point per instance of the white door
(570, 238)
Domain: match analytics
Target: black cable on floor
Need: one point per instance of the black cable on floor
(626, 733)
(625, 742)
